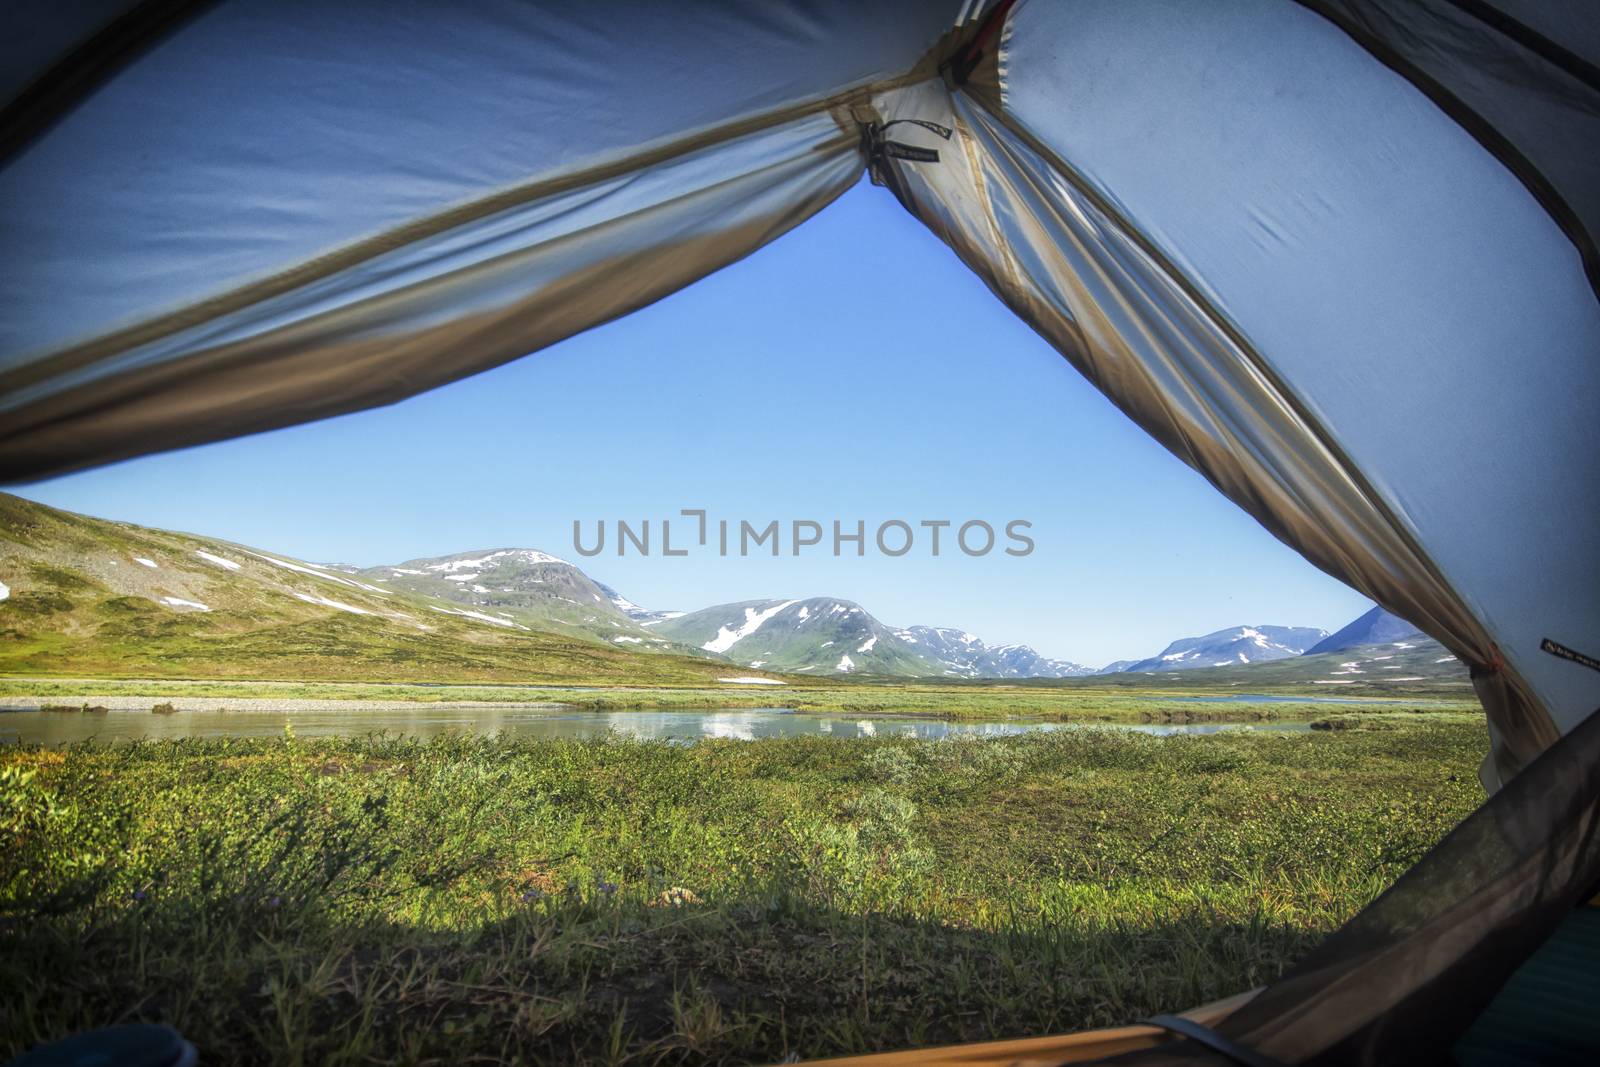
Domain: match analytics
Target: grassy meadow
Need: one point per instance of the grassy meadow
(622, 902)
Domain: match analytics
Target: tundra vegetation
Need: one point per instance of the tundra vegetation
(472, 899)
(1054, 703)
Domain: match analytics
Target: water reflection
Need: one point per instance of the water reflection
(56, 728)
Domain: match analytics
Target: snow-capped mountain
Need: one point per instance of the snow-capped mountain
(530, 586)
(825, 635)
(1226, 648)
(956, 652)
(821, 635)
(1376, 627)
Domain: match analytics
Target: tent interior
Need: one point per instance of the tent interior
(1336, 255)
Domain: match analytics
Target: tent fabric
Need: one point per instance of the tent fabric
(1259, 255)
(392, 324)
(1522, 77)
(41, 33)
(274, 181)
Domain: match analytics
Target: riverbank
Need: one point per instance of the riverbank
(971, 702)
(612, 901)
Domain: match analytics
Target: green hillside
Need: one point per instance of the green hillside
(90, 597)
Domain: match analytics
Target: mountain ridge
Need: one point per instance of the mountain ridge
(120, 580)
(1221, 648)
(97, 597)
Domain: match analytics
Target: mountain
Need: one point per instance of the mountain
(90, 597)
(956, 652)
(1417, 667)
(825, 635)
(532, 587)
(1224, 648)
(820, 635)
(643, 616)
(1376, 627)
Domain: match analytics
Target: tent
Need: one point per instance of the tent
(1337, 255)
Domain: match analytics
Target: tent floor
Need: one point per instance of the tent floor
(1549, 1013)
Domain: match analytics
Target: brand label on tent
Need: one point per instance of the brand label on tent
(912, 152)
(1557, 649)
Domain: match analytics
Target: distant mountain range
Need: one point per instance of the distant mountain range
(959, 653)
(1225, 648)
(89, 594)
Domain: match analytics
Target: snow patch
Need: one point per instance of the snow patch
(179, 602)
(623, 604)
(480, 616)
(845, 664)
(5, 590)
(753, 621)
(337, 605)
(1340, 682)
(147, 562)
(868, 646)
(460, 577)
(752, 681)
(628, 640)
(226, 564)
(527, 555)
(286, 565)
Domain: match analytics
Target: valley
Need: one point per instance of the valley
(482, 807)
(98, 599)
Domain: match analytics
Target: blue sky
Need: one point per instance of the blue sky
(854, 369)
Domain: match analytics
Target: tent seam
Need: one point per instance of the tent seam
(1012, 269)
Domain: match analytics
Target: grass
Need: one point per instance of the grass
(475, 900)
(130, 637)
(967, 702)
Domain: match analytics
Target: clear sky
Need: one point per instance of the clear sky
(852, 370)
